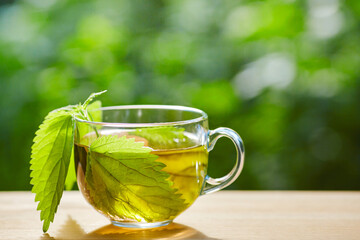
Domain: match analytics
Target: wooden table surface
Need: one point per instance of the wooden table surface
(221, 215)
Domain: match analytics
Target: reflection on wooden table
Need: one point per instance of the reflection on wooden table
(72, 230)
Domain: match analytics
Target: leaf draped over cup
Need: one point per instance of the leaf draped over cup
(50, 160)
(51, 156)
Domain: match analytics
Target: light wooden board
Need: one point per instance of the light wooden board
(222, 215)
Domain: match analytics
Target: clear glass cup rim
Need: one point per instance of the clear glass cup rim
(203, 116)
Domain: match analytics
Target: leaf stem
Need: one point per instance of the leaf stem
(91, 97)
(89, 118)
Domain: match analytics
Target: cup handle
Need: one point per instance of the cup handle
(215, 184)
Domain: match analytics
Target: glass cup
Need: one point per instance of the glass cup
(142, 165)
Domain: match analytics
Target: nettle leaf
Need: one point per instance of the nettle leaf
(71, 176)
(95, 114)
(51, 155)
(168, 136)
(126, 180)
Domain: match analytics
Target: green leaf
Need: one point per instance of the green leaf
(51, 155)
(126, 180)
(95, 115)
(50, 159)
(164, 137)
(71, 176)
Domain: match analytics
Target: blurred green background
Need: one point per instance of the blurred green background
(284, 74)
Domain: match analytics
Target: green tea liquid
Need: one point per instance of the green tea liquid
(186, 168)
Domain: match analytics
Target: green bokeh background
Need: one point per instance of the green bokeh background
(285, 74)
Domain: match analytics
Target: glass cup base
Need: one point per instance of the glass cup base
(141, 225)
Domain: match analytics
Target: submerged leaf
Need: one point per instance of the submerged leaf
(164, 137)
(126, 181)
